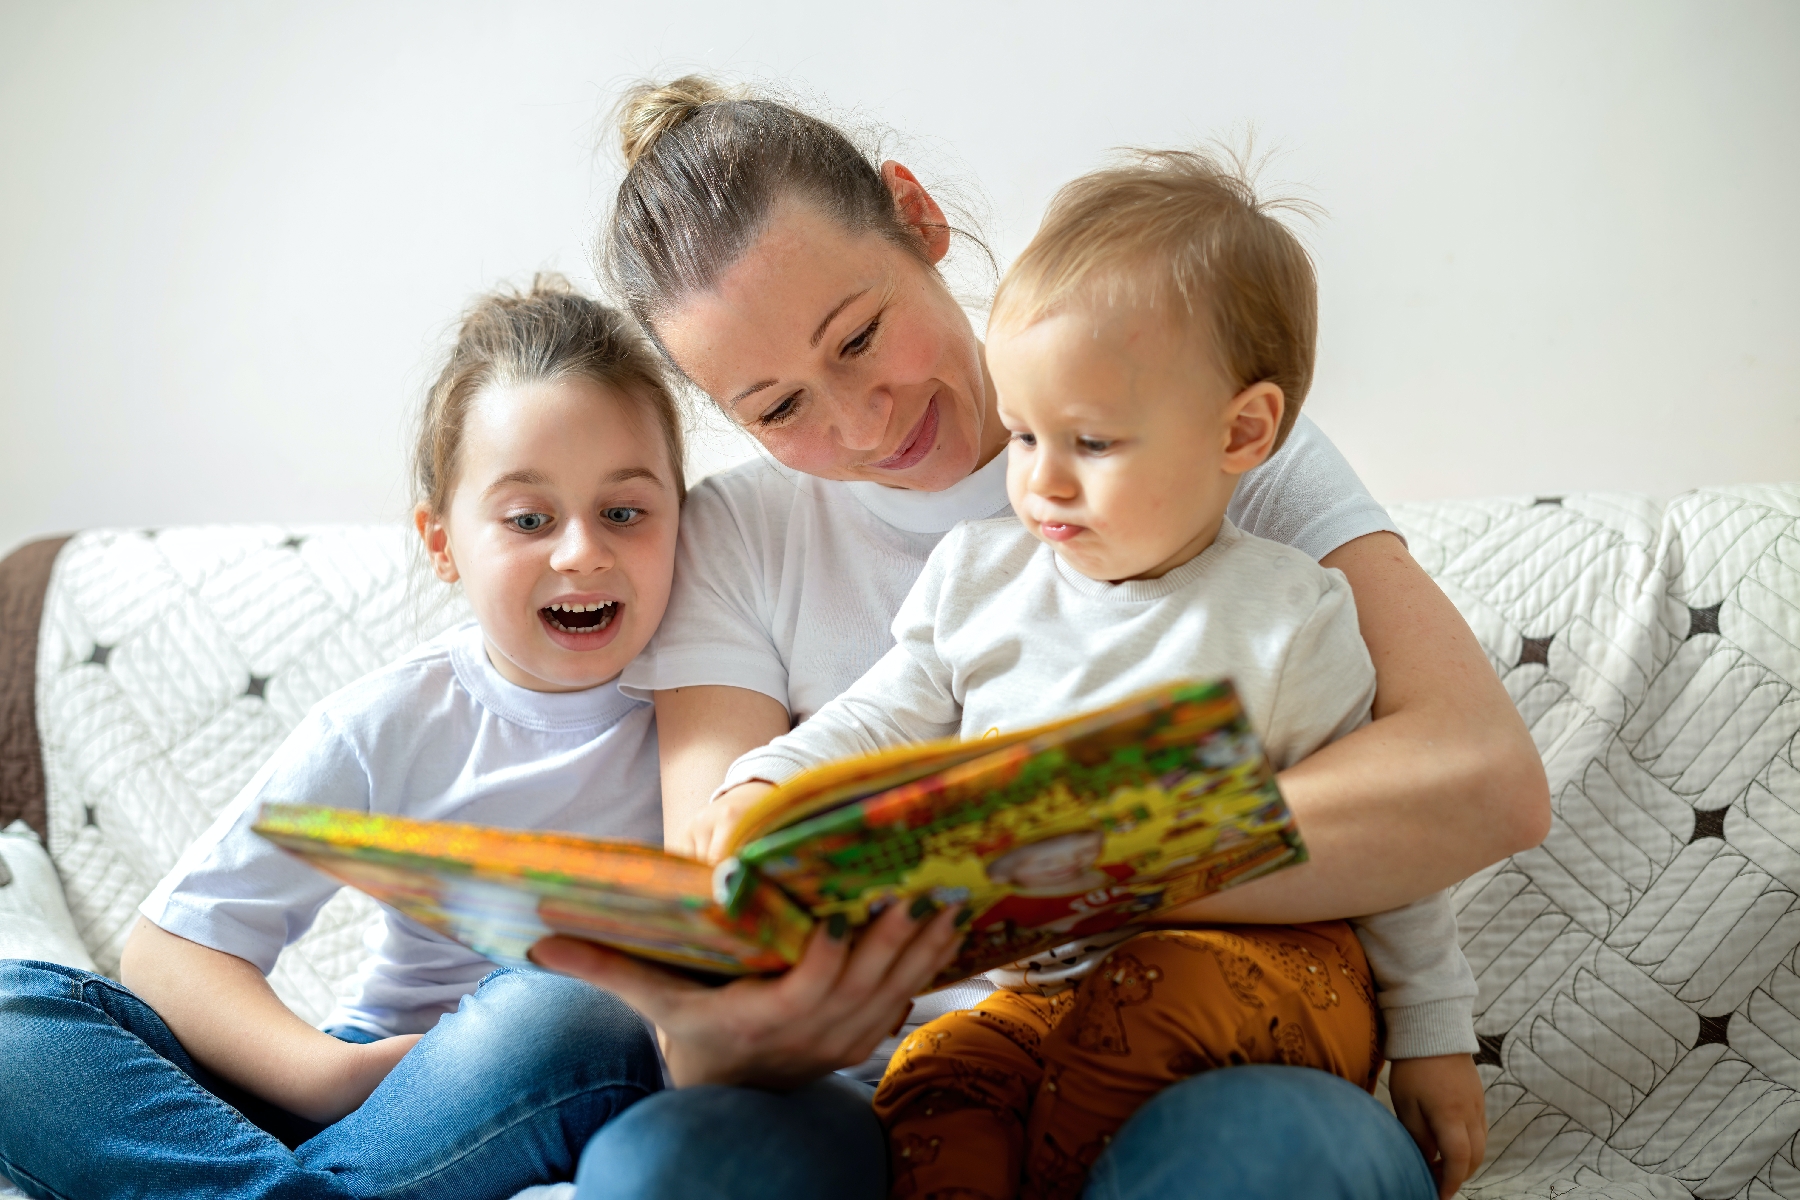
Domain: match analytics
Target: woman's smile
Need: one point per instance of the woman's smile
(918, 443)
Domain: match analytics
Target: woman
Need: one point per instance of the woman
(795, 283)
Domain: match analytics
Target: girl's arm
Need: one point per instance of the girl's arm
(223, 1012)
(1444, 781)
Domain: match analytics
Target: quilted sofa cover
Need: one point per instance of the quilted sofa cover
(1639, 1013)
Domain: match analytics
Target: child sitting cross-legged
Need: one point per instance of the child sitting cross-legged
(1152, 344)
(548, 467)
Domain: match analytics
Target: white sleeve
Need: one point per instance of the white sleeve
(716, 629)
(1423, 984)
(1326, 682)
(1307, 496)
(235, 892)
(907, 696)
(1422, 981)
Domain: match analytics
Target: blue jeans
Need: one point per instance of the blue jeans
(1244, 1133)
(98, 1099)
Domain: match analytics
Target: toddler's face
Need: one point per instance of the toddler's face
(1126, 438)
(562, 529)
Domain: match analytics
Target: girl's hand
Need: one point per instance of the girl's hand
(830, 1010)
(1440, 1102)
(708, 835)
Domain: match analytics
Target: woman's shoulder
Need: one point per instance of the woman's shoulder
(1307, 496)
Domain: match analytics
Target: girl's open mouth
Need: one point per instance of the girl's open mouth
(581, 626)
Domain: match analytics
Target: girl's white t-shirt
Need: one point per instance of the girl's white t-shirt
(438, 735)
(787, 584)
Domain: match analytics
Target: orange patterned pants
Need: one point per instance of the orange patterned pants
(1023, 1092)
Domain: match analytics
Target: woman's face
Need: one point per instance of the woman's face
(843, 355)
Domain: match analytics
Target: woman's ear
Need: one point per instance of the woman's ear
(1252, 420)
(437, 544)
(917, 209)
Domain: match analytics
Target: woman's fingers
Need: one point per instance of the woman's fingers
(926, 955)
(651, 990)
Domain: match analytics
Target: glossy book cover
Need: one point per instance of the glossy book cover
(1046, 835)
(499, 890)
(1063, 833)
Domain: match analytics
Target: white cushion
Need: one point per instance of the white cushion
(34, 917)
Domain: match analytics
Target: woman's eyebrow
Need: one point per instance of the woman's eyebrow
(819, 333)
(817, 337)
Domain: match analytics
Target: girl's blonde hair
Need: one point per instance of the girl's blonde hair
(547, 332)
(1186, 229)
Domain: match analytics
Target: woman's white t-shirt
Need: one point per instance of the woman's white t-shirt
(786, 584)
(441, 736)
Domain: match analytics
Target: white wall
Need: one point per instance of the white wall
(1561, 250)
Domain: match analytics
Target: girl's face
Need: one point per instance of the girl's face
(843, 355)
(561, 528)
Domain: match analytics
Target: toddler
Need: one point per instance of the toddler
(549, 476)
(1152, 344)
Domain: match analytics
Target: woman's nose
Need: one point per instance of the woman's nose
(863, 423)
(581, 550)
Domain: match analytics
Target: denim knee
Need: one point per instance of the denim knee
(1262, 1133)
(533, 1024)
(819, 1142)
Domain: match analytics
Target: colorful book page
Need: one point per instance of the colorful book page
(498, 891)
(1067, 833)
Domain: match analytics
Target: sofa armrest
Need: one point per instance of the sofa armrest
(24, 577)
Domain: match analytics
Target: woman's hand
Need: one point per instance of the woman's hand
(708, 835)
(830, 1010)
(1440, 1102)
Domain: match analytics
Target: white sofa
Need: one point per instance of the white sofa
(1640, 996)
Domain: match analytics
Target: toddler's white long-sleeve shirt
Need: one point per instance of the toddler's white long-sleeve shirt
(1001, 633)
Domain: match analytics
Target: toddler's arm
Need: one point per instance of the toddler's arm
(907, 696)
(1422, 981)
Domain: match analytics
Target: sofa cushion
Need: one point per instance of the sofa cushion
(1639, 1011)
(172, 663)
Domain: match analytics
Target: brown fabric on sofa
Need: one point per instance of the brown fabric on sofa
(24, 575)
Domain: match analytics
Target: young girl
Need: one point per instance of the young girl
(548, 470)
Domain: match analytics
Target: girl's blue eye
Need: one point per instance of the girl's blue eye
(622, 516)
(1025, 439)
(529, 522)
(1094, 445)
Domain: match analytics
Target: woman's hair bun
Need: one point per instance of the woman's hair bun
(650, 110)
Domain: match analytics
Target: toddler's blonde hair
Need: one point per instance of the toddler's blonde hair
(1180, 228)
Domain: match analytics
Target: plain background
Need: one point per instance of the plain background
(1561, 250)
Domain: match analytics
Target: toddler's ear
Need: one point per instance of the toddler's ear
(437, 544)
(1252, 419)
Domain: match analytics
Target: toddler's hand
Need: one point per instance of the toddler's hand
(1440, 1102)
(709, 833)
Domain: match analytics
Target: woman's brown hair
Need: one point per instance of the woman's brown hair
(546, 332)
(705, 166)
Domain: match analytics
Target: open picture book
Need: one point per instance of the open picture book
(1045, 836)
